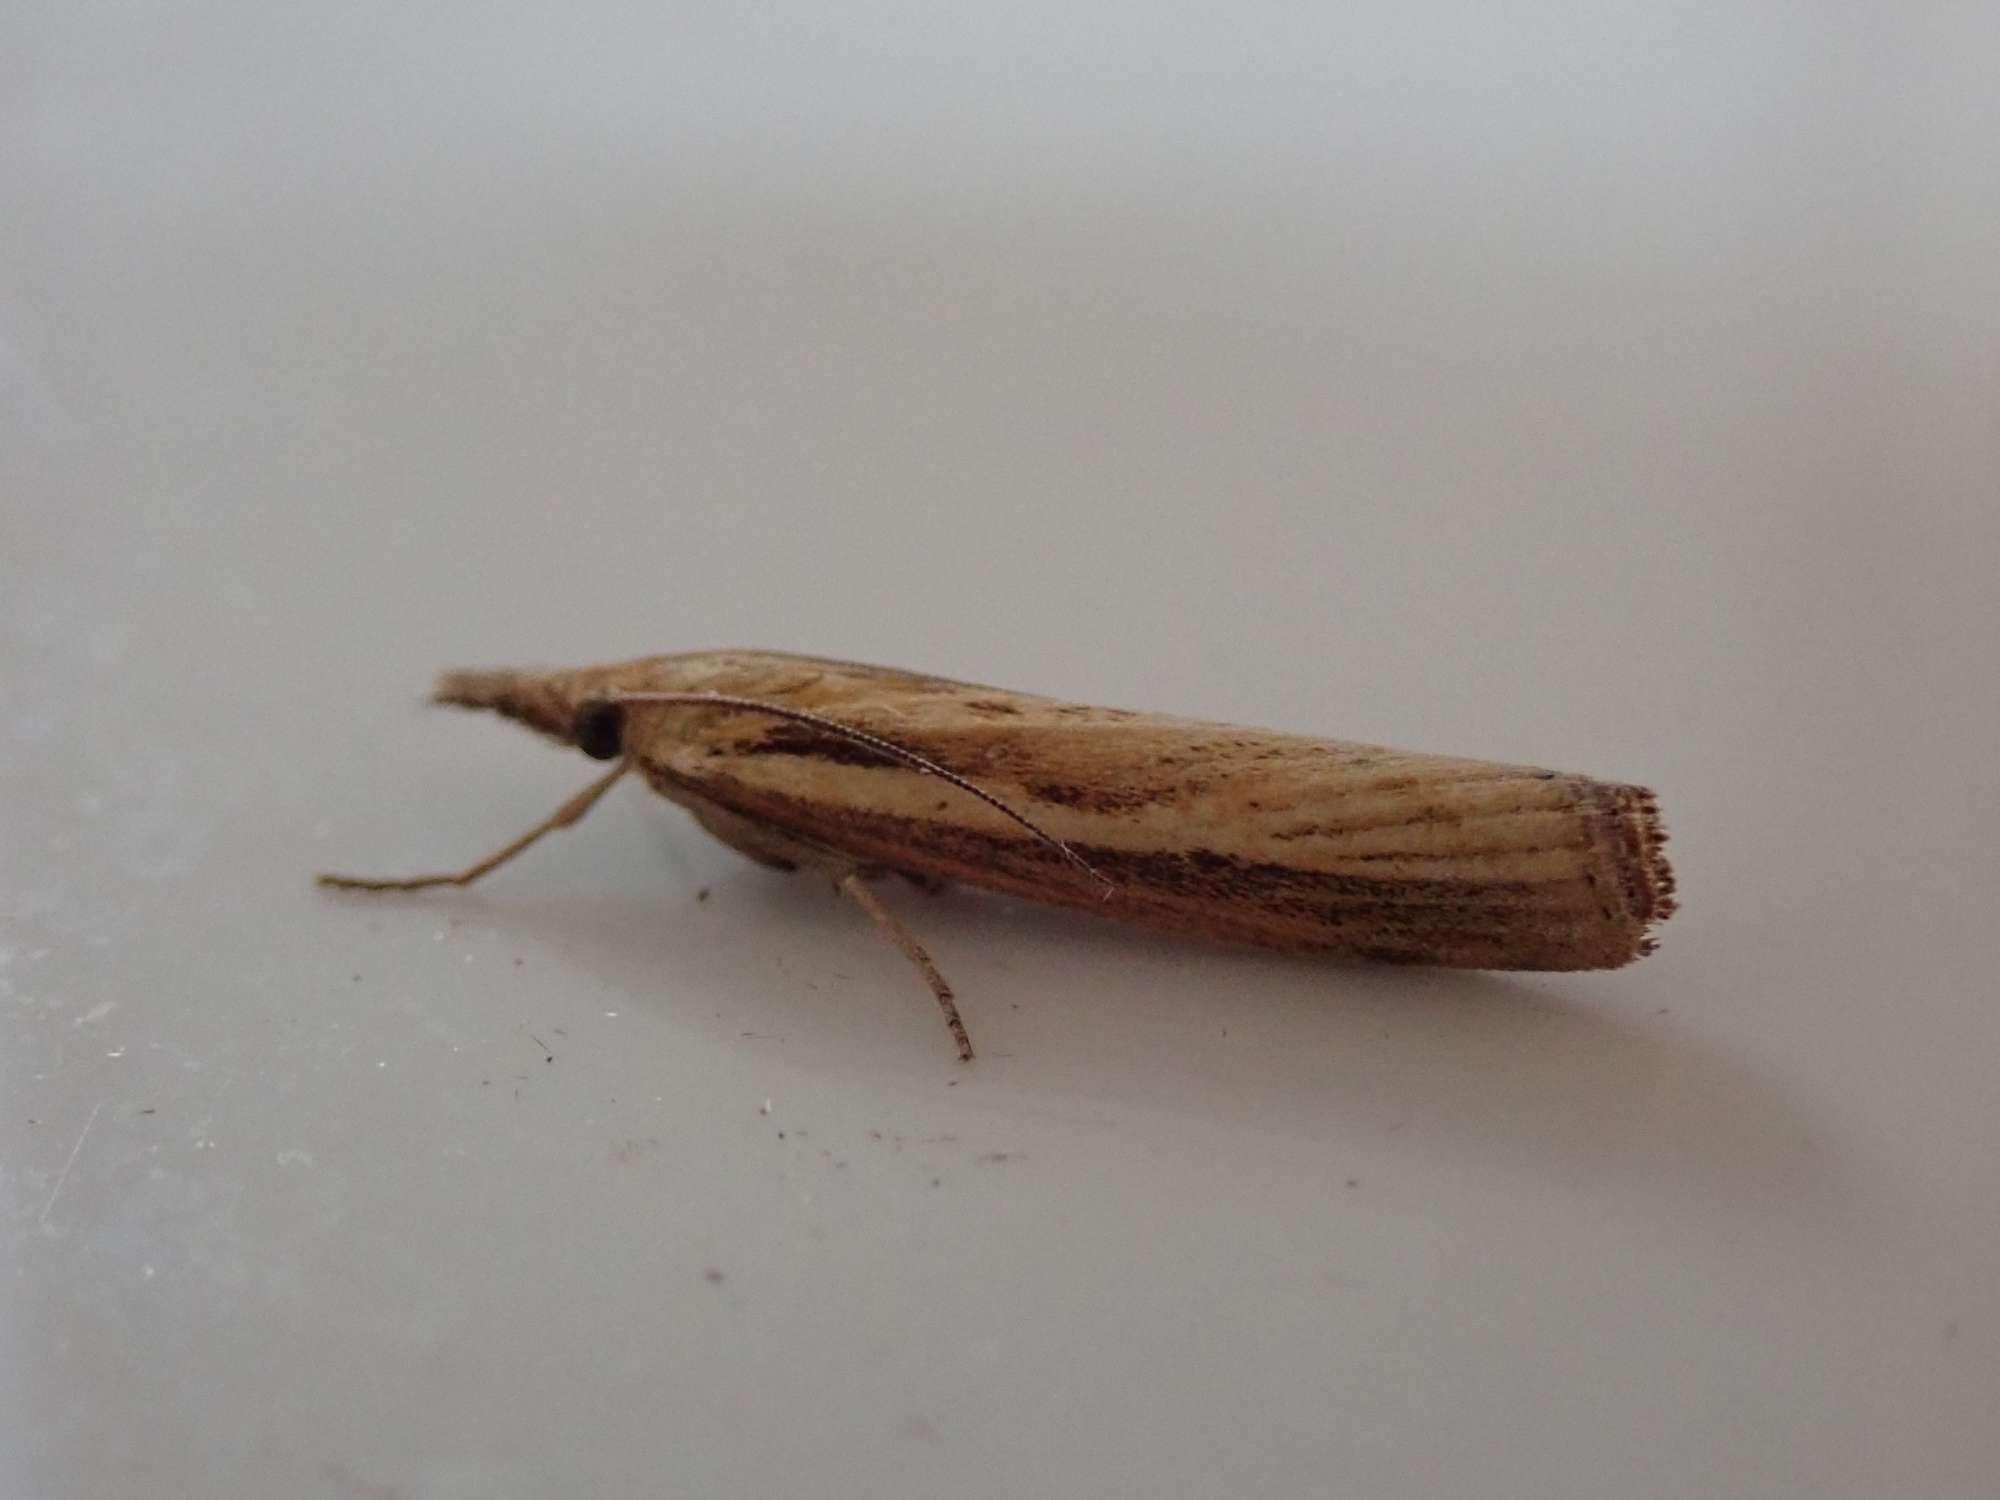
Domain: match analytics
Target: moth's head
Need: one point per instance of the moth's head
(576, 708)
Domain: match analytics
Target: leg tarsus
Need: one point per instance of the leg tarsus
(570, 812)
(855, 887)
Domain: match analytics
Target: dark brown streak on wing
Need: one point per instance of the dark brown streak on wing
(1419, 856)
(1099, 799)
(1209, 874)
(811, 744)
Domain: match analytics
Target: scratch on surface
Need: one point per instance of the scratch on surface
(56, 1191)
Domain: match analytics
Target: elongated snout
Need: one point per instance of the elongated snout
(540, 700)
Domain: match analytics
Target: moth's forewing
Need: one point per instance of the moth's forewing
(1295, 843)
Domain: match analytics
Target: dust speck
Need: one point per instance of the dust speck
(713, 1276)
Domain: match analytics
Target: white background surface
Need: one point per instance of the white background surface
(1605, 387)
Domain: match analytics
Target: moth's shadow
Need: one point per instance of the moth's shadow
(1532, 1077)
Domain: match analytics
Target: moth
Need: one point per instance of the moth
(1294, 843)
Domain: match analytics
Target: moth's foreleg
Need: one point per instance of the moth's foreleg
(570, 812)
(856, 887)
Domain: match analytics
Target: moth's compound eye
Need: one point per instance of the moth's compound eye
(600, 730)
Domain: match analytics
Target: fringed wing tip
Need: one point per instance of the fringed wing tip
(1649, 877)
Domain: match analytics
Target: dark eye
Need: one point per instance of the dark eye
(600, 730)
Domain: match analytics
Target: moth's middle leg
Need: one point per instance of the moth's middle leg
(855, 886)
(784, 851)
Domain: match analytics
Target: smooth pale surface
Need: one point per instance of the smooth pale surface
(1608, 388)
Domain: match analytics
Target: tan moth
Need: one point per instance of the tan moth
(1300, 844)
